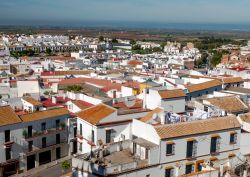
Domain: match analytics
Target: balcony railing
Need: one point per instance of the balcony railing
(37, 148)
(49, 131)
(9, 142)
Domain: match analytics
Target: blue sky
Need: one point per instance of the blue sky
(167, 11)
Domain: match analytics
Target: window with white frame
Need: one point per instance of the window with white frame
(233, 138)
(170, 148)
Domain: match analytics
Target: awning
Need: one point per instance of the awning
(190, 163)
(169, 167)
(191, 139)
(213, 158)
(215, 136)
(170, 142)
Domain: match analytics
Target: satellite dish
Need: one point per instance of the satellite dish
(129, 102)
(154, 117)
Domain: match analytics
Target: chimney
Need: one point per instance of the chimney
(221, 170)
(245, 173)
(64, 96)
(101, 153)
(163, 118)
(176, 171)
(118, 148)
(54, 100)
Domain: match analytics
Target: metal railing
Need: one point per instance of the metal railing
(40, 146)
(48, 131)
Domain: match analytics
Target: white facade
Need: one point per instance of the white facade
(24, 87)
(152, 100)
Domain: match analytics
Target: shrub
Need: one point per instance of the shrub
(65, 165)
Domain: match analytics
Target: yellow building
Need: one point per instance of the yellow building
(148, 84)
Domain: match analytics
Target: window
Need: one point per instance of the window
(58, 138)
(93, 136)
(8, 153)
(75, 131)
(44, 142)
(43, 126)
(58, 153)
(191, 148)
(134, 148)
(7, 135)
(189, 168)
(214, 146)
(169, 172)
(233, 138)
(57, 123)
(80, 147)
(123, 137)
(110, 135)
(170, 147)
(29, 131)
(30, 146)
(199, 165)
(205, 108)
(206, 92)
(80, 129)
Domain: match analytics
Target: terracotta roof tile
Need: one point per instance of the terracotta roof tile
(135, 62)
(8, 116)
(203, 86)
(138, 104)
(63, 58)
(82, 104)
(150, 114)
(229, 103)
(245, 118)
(63, 73)
(105, 84)
(167, 94)
(32, 101)
(96, 113)
(227, 80)
(196, 127)
(40, 115)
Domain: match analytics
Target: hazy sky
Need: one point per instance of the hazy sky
(188, 11)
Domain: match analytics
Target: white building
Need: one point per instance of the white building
(103, 123)
(32, 139)
(169, 150)
(27, 87)
(170, 100)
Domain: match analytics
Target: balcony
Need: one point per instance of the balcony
(8, 143)
(37, 134)
(37, 148)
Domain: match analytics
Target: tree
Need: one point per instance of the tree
(136, 47)
(202, 61)
(216, 58)
(101, 38)
(132, 42)
(48, 51)
(163, 45)
(157, 49)
(114, 40)
(74, 88)
(46, 93)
